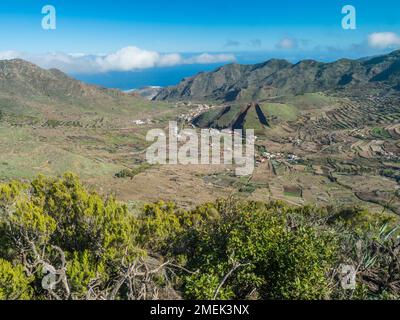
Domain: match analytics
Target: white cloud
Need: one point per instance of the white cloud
(6, 55)
(126, 59)
(210, 58)
(287, 44)
(129, 58)
(383, 40)
(170, 60)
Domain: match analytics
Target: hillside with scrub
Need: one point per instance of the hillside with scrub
(61, 240)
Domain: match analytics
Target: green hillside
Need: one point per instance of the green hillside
(31, 94)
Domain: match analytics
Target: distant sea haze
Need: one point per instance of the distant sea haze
(162, 77)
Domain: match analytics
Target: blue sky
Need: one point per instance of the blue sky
(188, 26)
(243, 31)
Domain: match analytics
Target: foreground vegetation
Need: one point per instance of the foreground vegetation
(58, 240)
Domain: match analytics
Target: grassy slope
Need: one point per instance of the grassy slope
(283, 112)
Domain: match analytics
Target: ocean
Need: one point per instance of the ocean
(166, 76)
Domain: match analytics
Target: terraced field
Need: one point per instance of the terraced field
(360, 113)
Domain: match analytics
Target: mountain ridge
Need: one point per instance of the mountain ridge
(28, 74)
(30, 92)
(237, 82)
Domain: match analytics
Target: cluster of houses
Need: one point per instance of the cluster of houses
(358, 133)
(200, 108)
(266, 156)
(141, 122)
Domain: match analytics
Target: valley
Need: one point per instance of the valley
(323, 146)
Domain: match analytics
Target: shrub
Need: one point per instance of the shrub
(14, 283)
(131, 173)
(263, 253)
(58, 225)
(228, 249)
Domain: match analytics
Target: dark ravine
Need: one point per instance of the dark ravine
(235, 82)
(240, 120)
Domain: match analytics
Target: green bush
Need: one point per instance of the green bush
(54, 219)
(14, 283)
(228, 249)
(130, 173)
(269, 257)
